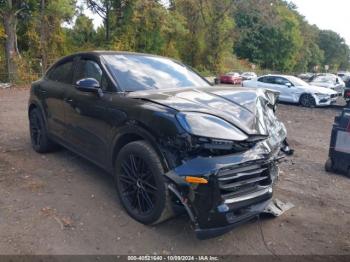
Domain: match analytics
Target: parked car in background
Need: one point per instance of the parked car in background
(346, 80)
(347, 96)
(231, 78)
(248, 75)
(306, 76)
(343, 75)
(171, 141)
(294, 90)
(329, 81)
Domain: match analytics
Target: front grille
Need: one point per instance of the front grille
(244, 179)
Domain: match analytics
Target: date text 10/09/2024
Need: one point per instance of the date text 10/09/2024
(172, 258)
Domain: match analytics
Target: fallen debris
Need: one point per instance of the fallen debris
(277, 208)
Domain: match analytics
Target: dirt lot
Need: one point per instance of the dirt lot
(61, 204)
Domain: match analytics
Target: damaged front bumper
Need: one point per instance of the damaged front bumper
(240, 187)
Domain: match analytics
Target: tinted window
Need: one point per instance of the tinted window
(91, 69)
(281, 81)
(62, 73)
(267, 79)
(141, 72)
(262, 79)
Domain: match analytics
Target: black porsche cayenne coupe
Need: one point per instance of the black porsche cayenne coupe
(171, 140)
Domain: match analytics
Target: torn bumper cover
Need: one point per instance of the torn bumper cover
(239, 188)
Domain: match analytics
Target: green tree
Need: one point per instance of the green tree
(83, 33)
(268, 34)
(44, 32)
(9, 13)
(210, 32)
(336, 51)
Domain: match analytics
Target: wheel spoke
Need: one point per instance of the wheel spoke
(147, 198)
(129, 188)
(133, 165)
(127, 179)
(152, 187)
(129, 192)
(138, 200)
(146, 175)
(128, 172)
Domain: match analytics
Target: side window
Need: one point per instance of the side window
(90, 69)
(281, 81)
(62, 73)
(270, 80)
(262, 79)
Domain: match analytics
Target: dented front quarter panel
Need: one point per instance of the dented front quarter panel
(211, 211)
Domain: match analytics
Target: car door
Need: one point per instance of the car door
(267, 82)
(285, 87)
(85, 112)
(51, 92)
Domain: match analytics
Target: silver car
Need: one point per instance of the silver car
(329, 81)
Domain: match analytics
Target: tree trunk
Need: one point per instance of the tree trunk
(11, 51)
(43, 37)
(107, 23)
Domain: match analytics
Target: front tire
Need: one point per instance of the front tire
(307, 100)
(41, 143)
(141, 185)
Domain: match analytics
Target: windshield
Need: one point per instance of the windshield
(297, 81)
(135, 72)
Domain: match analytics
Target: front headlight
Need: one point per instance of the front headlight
(322, 95)
(210, 126)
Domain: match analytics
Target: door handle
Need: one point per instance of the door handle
(68, 100)
(42, 91)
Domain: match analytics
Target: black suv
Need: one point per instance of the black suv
(171, 140)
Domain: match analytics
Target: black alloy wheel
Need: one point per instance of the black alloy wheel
(140, 183)
(307, 100)
(41, 143)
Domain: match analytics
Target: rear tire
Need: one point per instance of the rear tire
(140, 183)
(329, 165)
(307, 100)
(41, 143)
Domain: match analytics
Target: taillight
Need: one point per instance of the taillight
(347, 93)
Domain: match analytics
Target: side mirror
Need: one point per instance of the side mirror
(288, 84)
(88, 85)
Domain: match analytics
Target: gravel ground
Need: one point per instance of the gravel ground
(59, 203)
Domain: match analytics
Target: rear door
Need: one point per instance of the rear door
(51, 90)
(86, 112)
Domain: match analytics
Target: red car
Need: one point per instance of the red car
(231, 78)
(347, 96)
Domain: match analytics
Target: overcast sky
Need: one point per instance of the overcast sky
(326, 14)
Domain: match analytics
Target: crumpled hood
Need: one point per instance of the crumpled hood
(248, 109)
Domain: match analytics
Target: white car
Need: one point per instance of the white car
(248, 75)
(294, 90)
(329, 81)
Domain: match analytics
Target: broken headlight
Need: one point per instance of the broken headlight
(205, 125)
